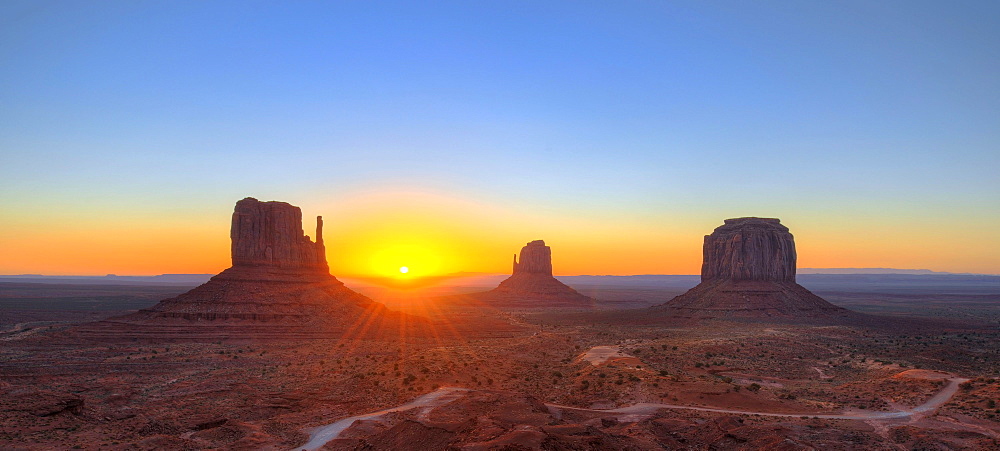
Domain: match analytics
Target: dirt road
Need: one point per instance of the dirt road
(636, 412)
(323, 434)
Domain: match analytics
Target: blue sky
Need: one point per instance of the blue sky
(825, 112)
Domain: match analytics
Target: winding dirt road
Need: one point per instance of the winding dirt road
(636, 412)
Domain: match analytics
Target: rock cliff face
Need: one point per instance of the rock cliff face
(748, 271)
(270, 234)
(531, 283)
(536, 258)
(749, 249)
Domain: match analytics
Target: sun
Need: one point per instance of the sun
(405, 260)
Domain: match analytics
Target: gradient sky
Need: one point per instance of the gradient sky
(445, 136)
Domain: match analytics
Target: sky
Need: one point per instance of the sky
(445, 136)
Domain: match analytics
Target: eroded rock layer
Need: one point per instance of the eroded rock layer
(749, 272)
(748, 298)
(749, 249)
(270, 234)
(536, 258)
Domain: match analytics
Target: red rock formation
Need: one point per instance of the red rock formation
(279, 286)
(532, 281)
(536, 258)
(749, 272)
(749, 249)
(270, 234)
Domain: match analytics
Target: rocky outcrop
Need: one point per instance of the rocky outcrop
(47, 403)
(270, 234)
(278, 287)
(531, 283)
(748, 271)
(536, 258)
(749, 249)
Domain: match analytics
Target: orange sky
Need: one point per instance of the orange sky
(374, 233)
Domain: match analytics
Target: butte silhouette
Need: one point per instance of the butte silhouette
(748, 271)
(279, 286)
(531, 282)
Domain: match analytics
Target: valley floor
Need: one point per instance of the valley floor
(554, 385)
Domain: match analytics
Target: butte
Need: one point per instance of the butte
(531, 283)
(748, 271)
(279, 286)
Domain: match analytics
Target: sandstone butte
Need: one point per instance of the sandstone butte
(279, 286)
(531, 283)
(748, 271)
(270, 235)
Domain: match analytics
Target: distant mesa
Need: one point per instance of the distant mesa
(531, 281)
(279, 286)
(748, 271)
(878, 271)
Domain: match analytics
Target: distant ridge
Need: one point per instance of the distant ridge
(878, 271)
(165, 279)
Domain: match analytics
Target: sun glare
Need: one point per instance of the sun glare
(406, 260)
